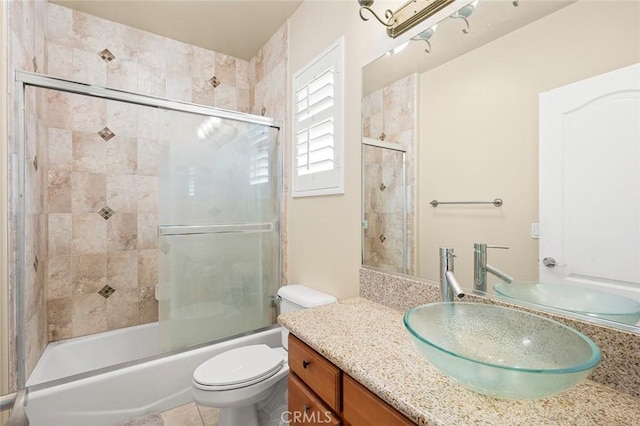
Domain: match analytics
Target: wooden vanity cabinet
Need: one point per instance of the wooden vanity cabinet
(321, 394)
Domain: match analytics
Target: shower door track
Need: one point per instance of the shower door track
(24, 79)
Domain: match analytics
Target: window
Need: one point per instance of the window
(318, 129)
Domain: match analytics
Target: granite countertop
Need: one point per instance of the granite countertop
(368, 341)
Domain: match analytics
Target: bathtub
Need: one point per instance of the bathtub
(112, 395)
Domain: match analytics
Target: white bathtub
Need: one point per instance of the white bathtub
(109, 398)
(81, 354)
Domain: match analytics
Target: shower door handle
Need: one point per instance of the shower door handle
(171, 230)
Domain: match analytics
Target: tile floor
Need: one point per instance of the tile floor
(186, 415)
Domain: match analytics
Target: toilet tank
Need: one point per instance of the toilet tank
(295, 297)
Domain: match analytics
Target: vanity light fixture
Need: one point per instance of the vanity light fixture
(398, 49)
(464, 13)
(426, 36)
(406, 16)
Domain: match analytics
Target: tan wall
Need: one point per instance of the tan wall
(467, 154)
(324, 232)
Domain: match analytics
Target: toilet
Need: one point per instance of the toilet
(237, 380)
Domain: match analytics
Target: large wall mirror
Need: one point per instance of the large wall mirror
(536, 104)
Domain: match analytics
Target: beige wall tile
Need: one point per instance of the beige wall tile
(121, 194)
(122, 308)
(202, 92)
(60, 192)
(89, 152)
(59, 111)
(59, 318)
(178, 87)
(148, 150)
(203, 63)
(151, 50)
(59, 277)
(122, 232)
(122, 119)
(89, 273)
(88, 67)
(147, 230)
(89, 192)
(147, 193)
(148, 305)
(122, 75)
(152, 81)
(60, 234)
(122, 269)
(89, 234)
(226, 69)
(60, 149)
(122, 156)
(89, 114)
(226, 97)
(147, 268)
(89, 314)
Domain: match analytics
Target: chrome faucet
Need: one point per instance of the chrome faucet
(449, 285)
(481, 267)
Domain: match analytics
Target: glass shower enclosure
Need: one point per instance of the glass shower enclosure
(190, 240)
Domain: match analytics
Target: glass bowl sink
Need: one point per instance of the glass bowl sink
(580, 300)
(501, 352)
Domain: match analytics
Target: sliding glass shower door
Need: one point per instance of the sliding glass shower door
(218, 228)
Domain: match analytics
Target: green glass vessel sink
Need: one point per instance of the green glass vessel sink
(579, 300)
(501, 352)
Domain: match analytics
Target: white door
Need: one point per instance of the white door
(590, 182)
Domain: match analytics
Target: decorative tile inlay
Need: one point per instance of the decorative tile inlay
(106, 212)
(106, 291)
(382, 136)
(382, 238)
(106, 55)
(35, 162)
(35, 64)
(106, 134)
(214, 81)
(382, 187)
(263, 111)
(35, 264)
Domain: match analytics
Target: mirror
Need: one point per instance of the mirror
(465, 119)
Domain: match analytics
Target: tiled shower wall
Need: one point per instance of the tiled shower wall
(27, 52)
(102, 182)
(389, 114)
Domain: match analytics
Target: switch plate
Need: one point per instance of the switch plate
(535, 231)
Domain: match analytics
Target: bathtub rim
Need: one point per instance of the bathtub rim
(120, 366)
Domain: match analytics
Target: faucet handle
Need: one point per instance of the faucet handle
(498, 247)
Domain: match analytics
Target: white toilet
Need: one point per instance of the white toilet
(238, 379)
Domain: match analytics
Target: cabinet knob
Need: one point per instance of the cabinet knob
(305, 364)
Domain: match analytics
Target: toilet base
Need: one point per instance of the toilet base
(234, 416)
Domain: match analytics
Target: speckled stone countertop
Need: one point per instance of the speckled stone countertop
(368, 341)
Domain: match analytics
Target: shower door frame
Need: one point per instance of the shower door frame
(24, 79)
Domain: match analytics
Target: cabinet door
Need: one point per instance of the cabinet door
(363, 408)
(305, 408)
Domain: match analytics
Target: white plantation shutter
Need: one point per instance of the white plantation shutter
(318, 125)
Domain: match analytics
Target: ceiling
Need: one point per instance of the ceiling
(234, 27)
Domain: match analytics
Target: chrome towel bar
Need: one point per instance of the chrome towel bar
(497, 202)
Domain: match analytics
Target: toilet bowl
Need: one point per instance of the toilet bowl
(237, 380)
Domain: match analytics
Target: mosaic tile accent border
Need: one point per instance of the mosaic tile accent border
(106, 291)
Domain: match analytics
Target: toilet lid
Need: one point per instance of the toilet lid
(239, 366)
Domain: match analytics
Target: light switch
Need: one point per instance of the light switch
(535, 231)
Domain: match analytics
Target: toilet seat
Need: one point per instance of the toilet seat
(237, 368)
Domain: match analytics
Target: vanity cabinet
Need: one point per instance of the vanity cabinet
(321, 394)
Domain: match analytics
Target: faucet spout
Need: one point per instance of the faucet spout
(449, 286)
(498, 273)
